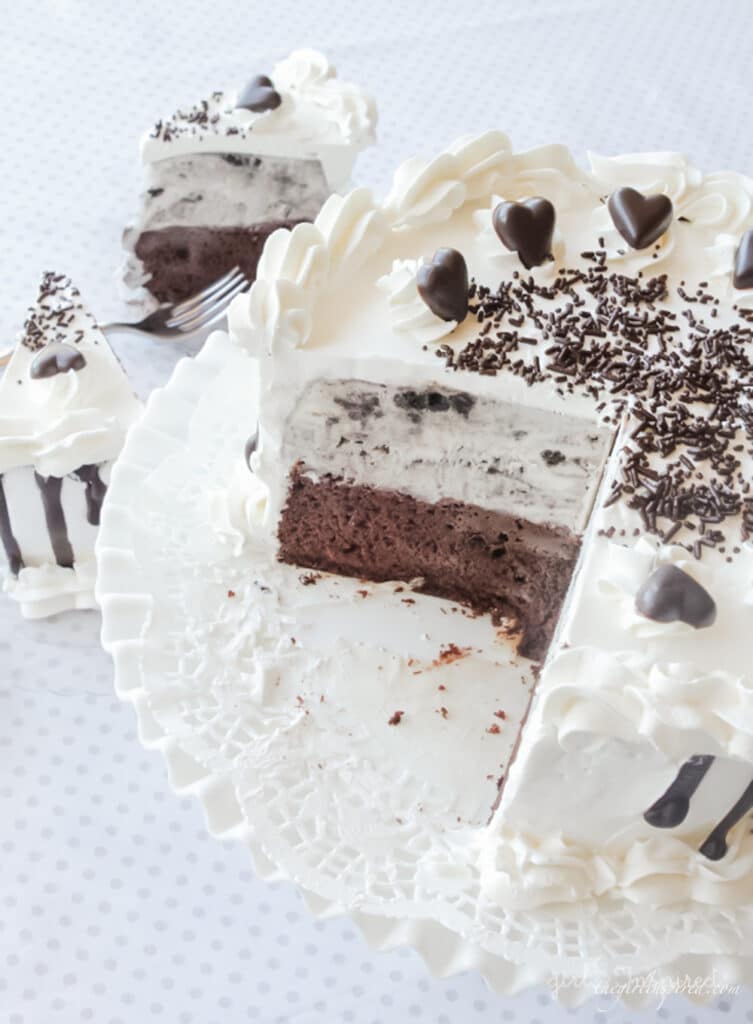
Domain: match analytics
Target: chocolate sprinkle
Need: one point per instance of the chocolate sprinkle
(58, 303)
(608, 336)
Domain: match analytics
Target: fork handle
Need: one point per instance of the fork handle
(139, 329)
(116, 326)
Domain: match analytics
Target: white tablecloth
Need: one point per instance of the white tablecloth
(115, 907)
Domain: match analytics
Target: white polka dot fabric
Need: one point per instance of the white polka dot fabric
(115, 906)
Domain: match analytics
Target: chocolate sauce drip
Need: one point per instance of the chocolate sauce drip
(50, 488)
(672, 807)
(714, 845)
(95, 491)
(251, 445)
(12, 550)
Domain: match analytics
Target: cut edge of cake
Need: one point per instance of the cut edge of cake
(287, 322)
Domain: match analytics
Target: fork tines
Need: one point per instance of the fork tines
(210, 304)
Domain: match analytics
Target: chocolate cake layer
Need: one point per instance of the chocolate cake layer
(183, 260)
(516, 570)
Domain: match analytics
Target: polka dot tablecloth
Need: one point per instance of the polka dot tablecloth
(115, 906)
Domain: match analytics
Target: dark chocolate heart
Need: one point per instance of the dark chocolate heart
(55, 358)
(259, 95)
(671, 595)
(743, 276)
(639, 219)
(443, 284)
(526, 228)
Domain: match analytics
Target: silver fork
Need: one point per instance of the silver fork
(174, 320)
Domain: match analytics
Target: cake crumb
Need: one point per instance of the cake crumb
(362, 593)
(231, 593)
(500, 714)
(308, 579)
(396, 718)
(494, 729)
(442, 687)
(449, 653)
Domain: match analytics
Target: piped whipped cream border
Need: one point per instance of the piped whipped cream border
(297, 264)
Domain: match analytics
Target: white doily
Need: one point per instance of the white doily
(262, 695)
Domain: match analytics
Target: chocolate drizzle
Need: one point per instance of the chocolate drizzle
(95, 490)
(250, 447)
(714, 845)
(672, 807)
(10, 544)
(50, 488)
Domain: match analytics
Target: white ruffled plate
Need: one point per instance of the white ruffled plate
(270, 701)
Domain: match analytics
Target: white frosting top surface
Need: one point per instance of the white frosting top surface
(318, 112)
(78, 417)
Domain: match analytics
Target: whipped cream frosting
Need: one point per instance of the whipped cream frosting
(622, 700)
(410, 313)
(43, 590)
(79, 417)
(320, 116)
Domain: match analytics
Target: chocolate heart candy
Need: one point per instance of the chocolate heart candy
(443, 284)
(671, 595)
(743, 276)
(55, 358)
(259, 95)
(639, 219)
(526, 228)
